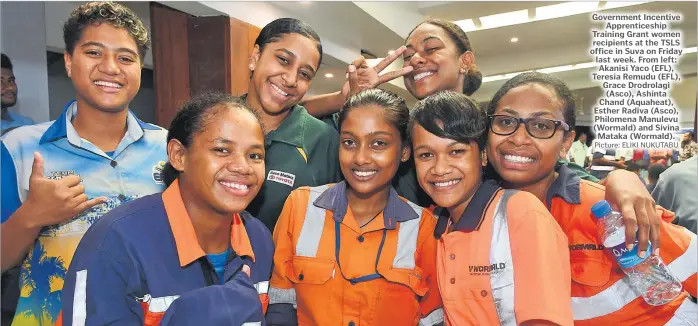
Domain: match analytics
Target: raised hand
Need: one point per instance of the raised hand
(361, 76)
(55, 201)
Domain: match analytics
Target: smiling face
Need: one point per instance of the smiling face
(449, 171)
(221, 171)
(437, 64)
(9, 88)
(521, 160)
(282, 72)
(370, 150)
(105, 68)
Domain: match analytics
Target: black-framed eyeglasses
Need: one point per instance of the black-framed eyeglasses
(540, 128)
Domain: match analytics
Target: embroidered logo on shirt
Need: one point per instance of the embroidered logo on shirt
(281, 177)
(157, 172)
(495, 268)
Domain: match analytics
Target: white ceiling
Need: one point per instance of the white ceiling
(347, 27)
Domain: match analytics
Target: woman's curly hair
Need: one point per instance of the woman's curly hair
(114, 14)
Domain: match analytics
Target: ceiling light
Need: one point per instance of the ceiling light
(467, 25)
(305, 2)
(620, 4)
(565, 9)
(504, 19)
(329, 75)
(689, 50)
(514, 39)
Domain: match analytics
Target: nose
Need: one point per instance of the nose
(239, 164)
(109, 65)
(362, 156)
(290, 78)
(520, 136)
(441, 167)
(417, 60)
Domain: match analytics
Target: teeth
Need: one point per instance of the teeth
(447, 183)
(422, 75)
(364, 173)
(518, 159)
(278, 90)
(107, 84)
(234, 185)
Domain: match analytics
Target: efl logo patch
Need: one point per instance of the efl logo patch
(281, 177)
(157, 172)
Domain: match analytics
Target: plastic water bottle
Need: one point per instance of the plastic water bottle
(649, 276)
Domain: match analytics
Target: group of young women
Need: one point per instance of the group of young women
(444, 214)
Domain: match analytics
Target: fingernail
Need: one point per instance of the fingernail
(656, 252)
(642, 253)
(631, 246)
(352, 68)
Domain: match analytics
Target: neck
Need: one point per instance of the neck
(4, 113)
(538, 189)
(271, 121)
(103, 129)
(457, 211)
(366, 206)
(212, 228)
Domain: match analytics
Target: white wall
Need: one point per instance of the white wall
(24, 41)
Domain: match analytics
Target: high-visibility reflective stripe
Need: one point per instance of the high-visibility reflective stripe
(159, 304)
(80, 299)
(277, 295)
(258, 323)
(407, 243)
(502, 282)
(311, 232)
(262, 287)
(685, 315)
(435, 317)
(621, 293)
(686, 265)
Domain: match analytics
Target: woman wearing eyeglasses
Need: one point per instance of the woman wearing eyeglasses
(532, 120)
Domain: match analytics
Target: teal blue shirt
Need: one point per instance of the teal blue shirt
(219, 261)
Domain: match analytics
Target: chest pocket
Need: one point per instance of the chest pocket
(311, 271)
(411, 278)
(591, 271)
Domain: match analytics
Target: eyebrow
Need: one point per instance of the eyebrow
(291, 54)
(375, 133)
(227, 141)
(97, 44)
(536, 114)
(426, 39)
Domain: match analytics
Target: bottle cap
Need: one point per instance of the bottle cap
(601, 209)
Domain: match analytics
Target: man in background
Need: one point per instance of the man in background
(676, 191)
(653, 173)
(10, 120)
(578, 151)
(689, 147)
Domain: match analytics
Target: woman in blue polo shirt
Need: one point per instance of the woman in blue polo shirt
(184, 254)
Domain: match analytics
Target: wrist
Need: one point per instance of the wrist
(24, 217)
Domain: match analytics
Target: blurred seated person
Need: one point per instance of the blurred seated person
(653, 173)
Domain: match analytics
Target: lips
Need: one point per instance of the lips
(518, 158)
(363, 175)
(279, 90)
(108, 86)
(236, 188)
(422, 75)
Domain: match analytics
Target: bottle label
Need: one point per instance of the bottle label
(628, 258)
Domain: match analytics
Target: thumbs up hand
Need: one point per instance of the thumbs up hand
(55, 201)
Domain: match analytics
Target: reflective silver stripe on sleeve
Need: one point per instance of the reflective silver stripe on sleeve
(502, 278)
(435, 317)
(407, 236)
(277, 295)
(311, 232)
